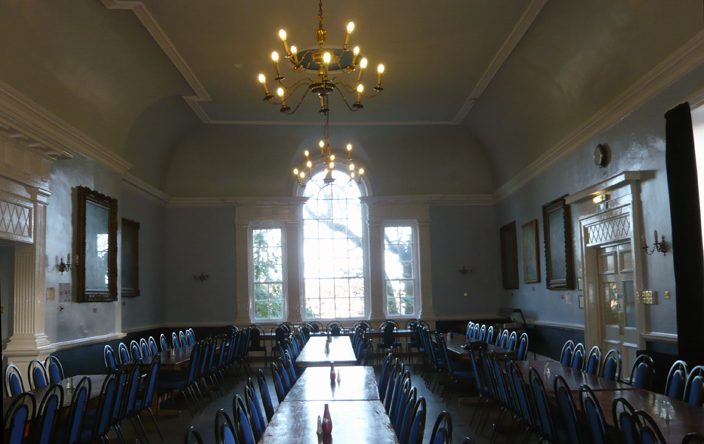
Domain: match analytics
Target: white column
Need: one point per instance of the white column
(376, 275)
(293, 262)
(242, 254)
(426, 276)
(28, 340)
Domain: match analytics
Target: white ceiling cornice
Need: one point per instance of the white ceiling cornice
(678, 64)
(524, 23)
(201, 95)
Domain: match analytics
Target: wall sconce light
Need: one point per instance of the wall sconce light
(65, 266)
(600, 198)
(202, 277)
(464, 271)
(660, 247)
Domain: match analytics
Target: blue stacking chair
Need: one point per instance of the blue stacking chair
(542, 407)
(18, 414)
(693, 438)
(593, 363)
(622, 414)
(124, 353)
(174, 340)
(255, 400)
(144, 348)
(135, 350)
(68, 431)
(407, 415)
(611, 369)
(164, 344)
(153, 348)
(594, 415)
(442, 430)
(109, 359)
(384, 376)
(676, 379)
(182, 381)
(567, 410)
(390, 385)
(96, 422)
(182, 339)
(642, 372)
(266, 396)
(224, 429)
(489, 339)
(397, 390)
(193, 436)
(55, 369)
(418, 426)
(578, 357)
(522, 353)
(242, 422)
(524, 402)
(368, 353)
(38, 376)
(283, 373)
(694, 387)
(512, 341)
(504, 340)
(122, 376)
(255, 420)
(278, 385)
(290, 368)
(648, 431)
(14, 385)
(398, 407)
(147, 394)
(43, 425)
(389, 341)
(566, 353)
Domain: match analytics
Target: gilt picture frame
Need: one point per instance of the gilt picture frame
(509, 256)
(129, 259)
(530, 252)
(96, 247)
(557, 236)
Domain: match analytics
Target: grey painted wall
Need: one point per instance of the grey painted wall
(637, 143)
(200, 240)
(465, 236)
(149, 308)
(76, 320)
(7, 289)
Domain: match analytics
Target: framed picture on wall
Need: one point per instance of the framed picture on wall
(97, 247)
(557, 227)
(130, 258)
(509, 256)
(529, 250)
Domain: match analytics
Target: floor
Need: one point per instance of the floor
(174, 428)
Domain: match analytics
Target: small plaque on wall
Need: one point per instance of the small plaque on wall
(64, 292)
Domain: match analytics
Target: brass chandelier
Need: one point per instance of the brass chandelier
(324, 62)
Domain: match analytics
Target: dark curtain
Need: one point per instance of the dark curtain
(686, 232)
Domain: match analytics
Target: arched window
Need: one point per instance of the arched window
(333, 245)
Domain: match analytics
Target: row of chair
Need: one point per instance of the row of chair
(124, 394)
(506, 339)
(40, 375)
(143, 348)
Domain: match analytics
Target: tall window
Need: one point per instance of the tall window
(400, 270)
(333, 249)
(267, 273)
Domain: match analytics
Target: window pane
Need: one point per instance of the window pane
(267, 273)
(398, 270)
(261, 310)
(260, 292)
(333, 248)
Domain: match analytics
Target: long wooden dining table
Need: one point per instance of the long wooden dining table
(550, 369)
(454, 346)
(313, 353)
(171, 360)
(356, 384)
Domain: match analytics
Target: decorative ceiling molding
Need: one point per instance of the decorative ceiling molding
(432, 199)
(31, 144)
(151, 25)
(150, 192)
(678, 64)
(45, 133)
(524, 23)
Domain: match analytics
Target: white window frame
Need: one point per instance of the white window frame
(417, 297)
(364, 190)
(284, 276)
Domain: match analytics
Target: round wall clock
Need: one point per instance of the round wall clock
(601, 156)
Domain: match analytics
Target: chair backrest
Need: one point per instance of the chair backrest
(135, 350)
(182, 338)
(489, 334)
(43, 425)
(18, 414)
(54, 369)
(174, 340)
(406, 415)
(390, 386)
(693, 438)
(223, 426)
(694, 387)
(122, 376)
(153, 348)
(611, 369)
(103, 417)
(192, 436)
(150, 387)
(594, 415)
(278, 384)
(482, 333)
(522, 353)
(542, 405)
(78, 410)
(368, 353)
(497, 341)
(124, 353)
(470, 329)
(512, 341)
(518, 388)
(676, 379)
(593, 362)
(129, 398)
(642, 372)
(442, 425)
(283, 373)
(567, 410)
(256, 421)
(622, 417)
(566, 353)
(648, 430)
(242, 422)
(418, 425)
(317, 326)
(144, 347)
(384, 376)
(14, 385)
(504, 339)
(165, 347)
(578, 358)
(38, 376)
(191, 336)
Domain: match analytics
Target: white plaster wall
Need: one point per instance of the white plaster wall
(201, 240)
(149, 308)
(637, 143)
(76, 320)
(465, 236)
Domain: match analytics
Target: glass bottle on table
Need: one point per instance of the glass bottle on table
(327, 421)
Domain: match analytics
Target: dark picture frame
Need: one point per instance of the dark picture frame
(509, 256)
(96, 246)
(557, 227)
(129, 260)
(529, 250)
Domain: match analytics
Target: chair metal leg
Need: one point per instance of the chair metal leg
(134, 425)
(155, 424)
(141, 426)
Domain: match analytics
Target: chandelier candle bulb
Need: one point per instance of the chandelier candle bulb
(362, 65)
(350, 28)
(282, 34)
(262, 80)
(380, 70)
(275, 58)
(355, 53)
(360, 90)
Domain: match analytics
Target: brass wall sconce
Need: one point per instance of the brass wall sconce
(203, 277)
(65, 266)
(660, 247)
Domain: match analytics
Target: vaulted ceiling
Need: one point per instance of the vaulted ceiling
(477, 88)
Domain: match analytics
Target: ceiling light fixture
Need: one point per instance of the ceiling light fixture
(323, 61)
(330, 161)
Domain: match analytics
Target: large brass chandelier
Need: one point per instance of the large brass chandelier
(324, 62)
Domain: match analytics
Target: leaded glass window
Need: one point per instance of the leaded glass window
(267, 268)
(400, 270)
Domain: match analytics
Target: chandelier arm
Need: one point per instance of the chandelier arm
(369, 97)
(299, 102)
(344, 99)
(295, 84)
(350, 89)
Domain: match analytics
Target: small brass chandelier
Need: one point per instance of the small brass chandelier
(329, 160)
(324, 61)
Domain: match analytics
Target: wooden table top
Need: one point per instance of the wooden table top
(454, 345)
(180, 358)
(356, 384)
(96, 385)
(313, 354)
(575, 378)
(369, 334)
(685, 418)
(353, 422)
